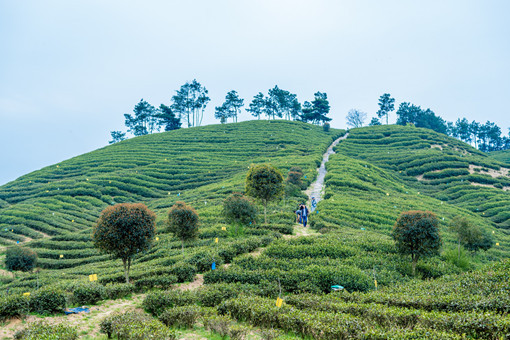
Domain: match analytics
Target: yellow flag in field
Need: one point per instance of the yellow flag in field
(223, 228)
(93, 277)
(216, 240)
(26, 294)
(375, 281)
(61, 256)
(279, 302)
(497, 244)
(157, 238)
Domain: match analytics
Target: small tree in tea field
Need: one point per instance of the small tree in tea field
(123, 230)
(265, 183)
(238, 210)
(183, 222)
(469, 235)
(20, 258)
(416, 233)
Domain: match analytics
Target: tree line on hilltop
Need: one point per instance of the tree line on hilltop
(486, 137)
(189, 103)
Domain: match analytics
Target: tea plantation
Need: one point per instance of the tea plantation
(376, 173)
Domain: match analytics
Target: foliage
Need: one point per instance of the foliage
(123, 230)
(144, 120)
(166, 117)
(326, 127)
(386, 105)
(88, 293)
(133, 325)
(265, 183)
(468, 235)
(374, 121)
(20, 258)
(48, 300)
(190, 102)
(45, 331)
(117, 136)
(416, 233)
(184, 316)
(183, 221)
(238, 210)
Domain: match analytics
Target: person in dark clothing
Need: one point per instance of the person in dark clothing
(304, 214)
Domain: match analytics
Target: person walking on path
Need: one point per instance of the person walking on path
(304, 214)
(298, 214)
(314, 204)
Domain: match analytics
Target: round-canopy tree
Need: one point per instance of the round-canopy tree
(265, 183)
(20, 258)
(416, 233)
(124, 230)
(183, 222)
(238, 210)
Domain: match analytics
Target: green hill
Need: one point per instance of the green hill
(376, 173)
(502, 156)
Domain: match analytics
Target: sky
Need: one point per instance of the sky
(69, 70)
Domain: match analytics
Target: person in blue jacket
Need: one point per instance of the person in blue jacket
(304, 214)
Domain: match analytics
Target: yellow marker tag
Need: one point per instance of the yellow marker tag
(279, 302)
(57, 166)
(216, 240)
(61, 256)
(493, 231)
(26, 294)
(12, 229)
(157, 238)
(109, 181)
(483, 213)
(497, 243)
(93, 277)
(87, 179)
(223, 228)
(375, 281)
(165, 159)
(72, 220)
(387, 194)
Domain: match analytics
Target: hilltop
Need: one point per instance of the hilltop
(376, 173)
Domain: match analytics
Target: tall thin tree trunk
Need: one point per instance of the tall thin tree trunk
(126, 275)
(265, 209)
(415, 259)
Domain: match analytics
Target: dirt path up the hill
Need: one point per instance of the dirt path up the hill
(315, 189)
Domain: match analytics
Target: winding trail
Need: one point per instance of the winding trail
(315, 189)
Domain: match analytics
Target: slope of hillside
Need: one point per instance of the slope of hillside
(54, 209)
(502, 156)
(438, 166)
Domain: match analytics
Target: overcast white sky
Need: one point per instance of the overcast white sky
(69, 70)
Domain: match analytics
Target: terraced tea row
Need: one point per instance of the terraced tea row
(438, 166)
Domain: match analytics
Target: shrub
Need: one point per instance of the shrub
(48, 300)
(117, 291)
(164, 282)
(326, 127)
(20, 258)
(156, 302)
(185, 316)
(44, 331)
(88, 293)
(238, 332)
(183, 222)
(416, 233)
(14, 306)
(238, 210)
(135, 326)
(219, 324)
